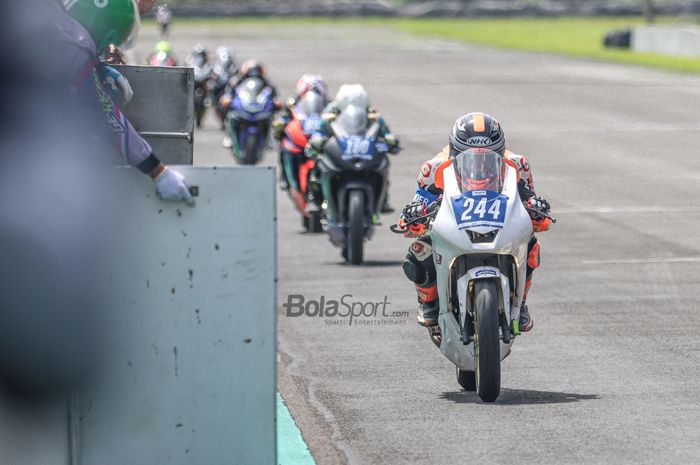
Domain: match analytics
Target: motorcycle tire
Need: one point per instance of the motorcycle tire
(251, 150)
(356, 227)
(487, 344)
(315, 222)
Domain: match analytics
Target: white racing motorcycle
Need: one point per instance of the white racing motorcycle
(480, 235)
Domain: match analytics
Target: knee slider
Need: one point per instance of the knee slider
(419, 266)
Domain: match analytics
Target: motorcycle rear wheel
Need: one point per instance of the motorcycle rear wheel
(356, 227)
(487, 345)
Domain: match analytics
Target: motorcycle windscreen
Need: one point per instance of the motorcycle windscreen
(253, 94)
(310, 104)
(353, 120)
(479, 170)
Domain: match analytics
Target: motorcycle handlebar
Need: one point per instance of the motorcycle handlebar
(395, 228)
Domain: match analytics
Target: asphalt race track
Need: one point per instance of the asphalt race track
(609, 375)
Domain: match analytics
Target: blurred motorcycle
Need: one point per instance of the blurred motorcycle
(352, 174)
(163, 55)
(223, 70)
(199, 60)
(297, 167)
(164, 16)
(248, 119)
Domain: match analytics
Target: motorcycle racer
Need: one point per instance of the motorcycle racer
(86, 29)
(249, 69)
(356, 96)
(307, 83)
(471, 131)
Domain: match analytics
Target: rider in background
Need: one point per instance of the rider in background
(163, 55)
(474, 130)
(164, 16)
(87, 29)
(352, 95)
(249, 69)
(307, 83)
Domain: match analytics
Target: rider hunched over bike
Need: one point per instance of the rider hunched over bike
(355, 96)
(471, 131)
(307, 83)
(249, 69)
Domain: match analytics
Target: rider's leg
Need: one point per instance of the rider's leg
(419, 267)
(533, 262)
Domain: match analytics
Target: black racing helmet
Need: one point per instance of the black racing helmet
(476, 130)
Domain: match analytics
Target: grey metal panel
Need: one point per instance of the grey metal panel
(163, 103)
(192, 376)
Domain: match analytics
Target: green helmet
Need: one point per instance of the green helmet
(163, 46)
(108, 21)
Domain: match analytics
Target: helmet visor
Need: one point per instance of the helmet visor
(479, 170)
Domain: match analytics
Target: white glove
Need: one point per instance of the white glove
(172, 186)
(118, 84)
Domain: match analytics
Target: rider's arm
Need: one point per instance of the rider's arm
(384, 131)
(527, 196)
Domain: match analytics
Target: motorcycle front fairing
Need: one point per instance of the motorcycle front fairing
(341, 171)
(450, 242)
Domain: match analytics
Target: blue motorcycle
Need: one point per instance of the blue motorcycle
(249, 118)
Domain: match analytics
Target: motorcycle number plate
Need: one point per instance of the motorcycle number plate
(354, 147)
(311, 123)
(475, 209)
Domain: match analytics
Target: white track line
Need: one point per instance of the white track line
(631, 261)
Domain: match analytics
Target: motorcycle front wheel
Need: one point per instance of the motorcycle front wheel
(356, 227)
(251, 150)
(487, 346)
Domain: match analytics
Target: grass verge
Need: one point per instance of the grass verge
(579, 37)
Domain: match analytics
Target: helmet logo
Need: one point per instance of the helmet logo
(479, 141)
(101, 3)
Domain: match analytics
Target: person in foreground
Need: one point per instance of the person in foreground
(87, 29)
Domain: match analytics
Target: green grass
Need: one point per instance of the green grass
(581, 37)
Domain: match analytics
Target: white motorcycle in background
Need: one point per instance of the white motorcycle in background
(480, 236)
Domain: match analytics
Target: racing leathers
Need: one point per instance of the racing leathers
(314, 148)
(419, 266)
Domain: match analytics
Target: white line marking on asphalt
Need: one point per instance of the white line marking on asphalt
(632, 261)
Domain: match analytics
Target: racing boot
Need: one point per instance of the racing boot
(525, 322)
(227, 142)
(283, 182)
(428, 313)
